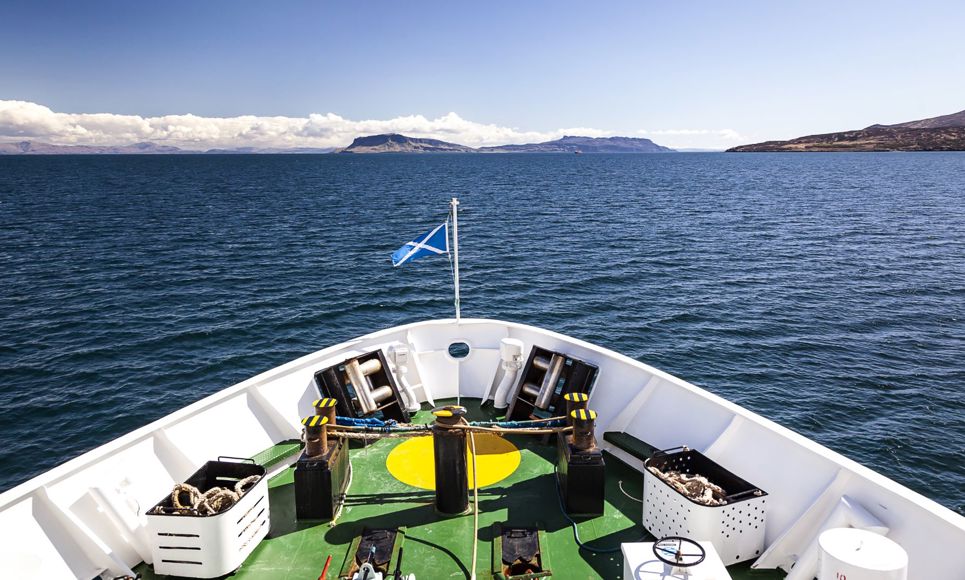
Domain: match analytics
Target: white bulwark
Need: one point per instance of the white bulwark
(85, 518)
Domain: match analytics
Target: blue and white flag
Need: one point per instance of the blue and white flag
(433, 242)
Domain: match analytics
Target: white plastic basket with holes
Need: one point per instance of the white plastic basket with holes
(736, 529)
(198, 546)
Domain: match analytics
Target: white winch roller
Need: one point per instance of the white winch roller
(853, 554)
(511, 353)
(369, 397)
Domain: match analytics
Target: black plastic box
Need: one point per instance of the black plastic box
(320, 482)
(582, 478)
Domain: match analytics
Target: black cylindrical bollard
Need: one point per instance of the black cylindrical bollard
(452, 473)
(316, 435)
(574, 401)
(584, 421)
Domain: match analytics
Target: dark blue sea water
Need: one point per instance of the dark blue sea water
(825, 291)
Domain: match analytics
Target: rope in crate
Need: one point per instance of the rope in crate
(187, 499)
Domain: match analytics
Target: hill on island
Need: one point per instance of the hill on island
(394, 143)
(37, 148)
(944, 133)
(584, 145)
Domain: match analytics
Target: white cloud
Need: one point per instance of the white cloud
(22, 120)
(696, 138)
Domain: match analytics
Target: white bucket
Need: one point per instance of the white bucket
(853, 554)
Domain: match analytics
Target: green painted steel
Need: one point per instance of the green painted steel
(635, 447)
(276, 453)
(441, 547)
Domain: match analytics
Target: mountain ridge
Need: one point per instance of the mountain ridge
(573, 144)
(396, 143)
(142, 148)
(943, 133)
(366, 144)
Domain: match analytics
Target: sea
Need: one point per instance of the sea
(823, 291)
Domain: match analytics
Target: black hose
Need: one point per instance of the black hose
(398, 566)
(576, 533)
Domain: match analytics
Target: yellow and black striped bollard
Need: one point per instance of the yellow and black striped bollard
(574, 401)
(326, 407)
(316, 435)
(584, 420)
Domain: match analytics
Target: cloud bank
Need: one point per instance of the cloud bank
(27, 121)
(22, 120)
(709, 137)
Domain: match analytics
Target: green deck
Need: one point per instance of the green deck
(437, 547)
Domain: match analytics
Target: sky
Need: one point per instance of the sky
(317, 74)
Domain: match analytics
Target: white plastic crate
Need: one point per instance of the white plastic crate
(736, 529)
(211, 546)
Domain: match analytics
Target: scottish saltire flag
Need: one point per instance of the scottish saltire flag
(431, 243)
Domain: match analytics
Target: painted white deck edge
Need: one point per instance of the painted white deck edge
(617, 397)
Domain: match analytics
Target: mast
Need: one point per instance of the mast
(455, 250)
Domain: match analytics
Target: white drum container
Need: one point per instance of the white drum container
(196, 546)
(736, 529)
(853, 554)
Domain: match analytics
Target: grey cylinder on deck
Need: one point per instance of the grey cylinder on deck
(548, 388)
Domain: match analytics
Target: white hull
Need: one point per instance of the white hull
(85, 517)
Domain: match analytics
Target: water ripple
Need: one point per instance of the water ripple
(826, 292)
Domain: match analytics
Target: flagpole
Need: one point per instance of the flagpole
(455, 249)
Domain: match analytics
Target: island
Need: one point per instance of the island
(387, 143)
(144, 148)
(395, 143)
(944, 133)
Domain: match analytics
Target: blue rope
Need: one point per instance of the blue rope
(521, 424)
(363, 422)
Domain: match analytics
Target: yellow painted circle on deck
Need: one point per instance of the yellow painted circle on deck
(413, 461)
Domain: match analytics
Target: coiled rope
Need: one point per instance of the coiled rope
(216, 500)
(186, 499)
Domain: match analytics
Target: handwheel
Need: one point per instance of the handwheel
(677, 551)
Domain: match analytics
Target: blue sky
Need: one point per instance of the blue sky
(686, 74)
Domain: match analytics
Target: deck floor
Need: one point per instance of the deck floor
(438, 547)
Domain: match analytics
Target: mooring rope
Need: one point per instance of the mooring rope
(374, 436)
(475, 504)
(507, 431)
(696, 487)
(186, 499)
(402, 430)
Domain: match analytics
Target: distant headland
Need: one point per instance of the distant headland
(945, 133)
(145, 148)
(388, 143)
(394, 143)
